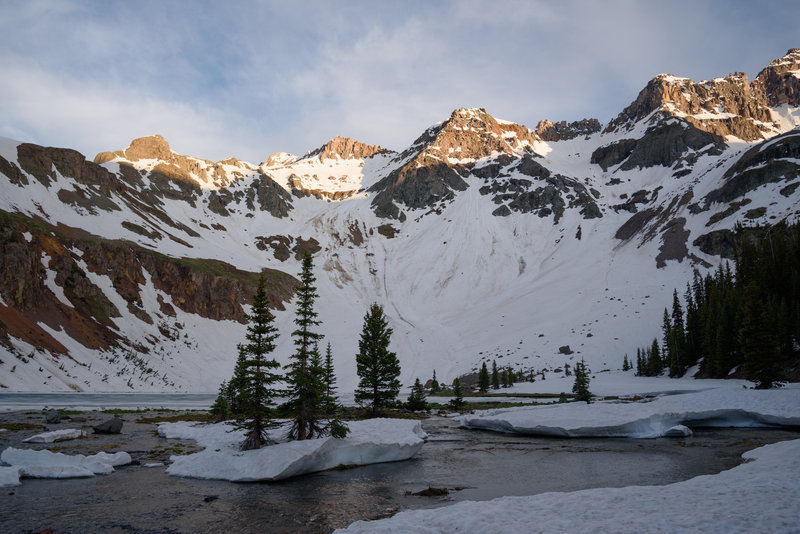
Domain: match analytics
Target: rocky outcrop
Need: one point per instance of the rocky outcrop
(666, 143)
(434, 166)
(345, 148)
(779, 82)
(563, 131)
(31, 248)
(723, 106)
(771, 161)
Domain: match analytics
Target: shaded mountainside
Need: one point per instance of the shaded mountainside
(483, 240)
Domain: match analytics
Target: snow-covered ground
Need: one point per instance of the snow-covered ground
(759, 496)
(722, 406)
(371, 441)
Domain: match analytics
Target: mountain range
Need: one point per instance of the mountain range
(483, 240)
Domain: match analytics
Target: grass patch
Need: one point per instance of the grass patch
(203, 417)
(17, 427)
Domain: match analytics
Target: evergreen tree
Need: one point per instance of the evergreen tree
(626, 366)
(532, 376)
(512, 376)
(221, 407)
(416, 400)
(495, 376)
(256, 374)
(305, 378)
(237, 384)
(333, 410)
(435, 387)
(755, 342)
(504, 378)
(567, 371)
(581, 385)
(457, 402)
(483, 379)
(378, 368)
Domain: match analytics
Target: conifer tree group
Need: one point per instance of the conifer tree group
(483, 379)
(749, 320)
(249, 394)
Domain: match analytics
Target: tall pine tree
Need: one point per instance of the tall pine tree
(305, 377)
(256, 374)
(581, 385)
(483, 379)
(378, 368)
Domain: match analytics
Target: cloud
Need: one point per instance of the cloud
(246, 79)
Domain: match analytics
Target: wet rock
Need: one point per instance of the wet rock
(112, 426)
(52, 417)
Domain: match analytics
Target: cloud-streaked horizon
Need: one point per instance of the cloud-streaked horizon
(246, 79)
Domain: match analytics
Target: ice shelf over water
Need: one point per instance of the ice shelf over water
(758, 496)
(48, 464)
(722, 407)
(371, 441)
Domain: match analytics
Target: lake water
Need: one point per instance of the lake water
(473, 465)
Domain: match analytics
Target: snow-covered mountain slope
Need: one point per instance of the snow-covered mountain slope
(483, 240)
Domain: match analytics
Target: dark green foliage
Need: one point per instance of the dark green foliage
(255, 375)
(457, 402)
(416, 400)
(626, 364)
(649, 361)
(581, 385)
(750, 321)
(333, 410)
(504, 378)
(495, 376)
(435, 387)
(483, 379)
(378, 368)
(532, 376)
(221, 408)
(567, 370)
(305, 377)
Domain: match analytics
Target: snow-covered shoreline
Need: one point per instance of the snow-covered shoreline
(370, 441)
(761, 495)
(716, 407)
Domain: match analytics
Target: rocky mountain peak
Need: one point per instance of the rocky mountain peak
(779, 82)
(723, 106)
(279, 159)
(345, 148)
(471, 134)
(149, 147)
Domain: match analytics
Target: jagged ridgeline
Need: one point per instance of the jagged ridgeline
(485, 240)
(741, 320)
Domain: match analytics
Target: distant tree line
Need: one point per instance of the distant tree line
(745, 318)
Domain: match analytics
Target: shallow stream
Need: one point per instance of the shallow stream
(472, 465)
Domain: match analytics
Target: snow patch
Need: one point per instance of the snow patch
(56, 435)
(49, 464)
(371, 441)
(719, 407)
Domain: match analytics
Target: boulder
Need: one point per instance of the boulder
(52, 417)
(112, 426)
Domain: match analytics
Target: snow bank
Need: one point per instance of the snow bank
(55, 435)
(371, 441)
(9, 476)
(760, 496)
(48, 464)
(718, 407)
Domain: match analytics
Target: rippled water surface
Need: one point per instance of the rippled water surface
(473, 465)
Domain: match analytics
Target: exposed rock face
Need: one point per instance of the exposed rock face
(663, 144)
(723, 106)
(208, 288)
(779, 83)
(345, 148)
(562, 131)
(770, 161)
(435, 163)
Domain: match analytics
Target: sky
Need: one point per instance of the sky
(248, 78)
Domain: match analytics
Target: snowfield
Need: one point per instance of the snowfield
(759, 496)
(648, 418)
(369, 442)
